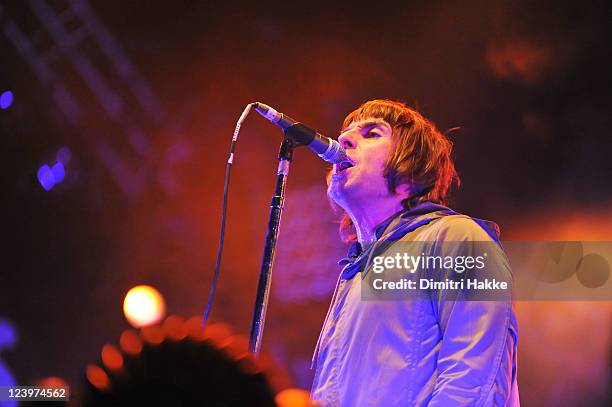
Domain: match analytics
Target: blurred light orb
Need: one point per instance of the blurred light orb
(46, 177)
(58, 172)
(51, 381)
(8, 335)
(63, 155)
(143, 305)
(97, 377)
(6, 99)
(293, 397)
(49, 177)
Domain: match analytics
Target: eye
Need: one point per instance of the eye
(372, 134)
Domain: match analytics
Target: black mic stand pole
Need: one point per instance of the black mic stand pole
(265, 276)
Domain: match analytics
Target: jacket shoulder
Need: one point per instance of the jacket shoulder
(470, 228)
(460, 227)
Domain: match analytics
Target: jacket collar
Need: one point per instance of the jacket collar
(399, 223)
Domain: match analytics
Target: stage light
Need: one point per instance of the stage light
(97, 377)
(143, 305)
(8, 335)
(131, 343)
(6, 99)
(63, 155)
(46, 177)
(293, 397)
(112, 357)
(58, 172)
(49, 177)
(175, 328)
(152, 334)
(51, 381)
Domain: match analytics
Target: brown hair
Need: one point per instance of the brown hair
(421, 156)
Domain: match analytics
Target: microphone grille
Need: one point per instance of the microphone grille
(335, 153)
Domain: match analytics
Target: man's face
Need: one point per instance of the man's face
(368, 144)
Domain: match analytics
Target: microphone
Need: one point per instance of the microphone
(328, 149)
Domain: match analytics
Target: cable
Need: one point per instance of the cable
(228, 167)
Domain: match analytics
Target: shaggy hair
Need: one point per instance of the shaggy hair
(421, 156)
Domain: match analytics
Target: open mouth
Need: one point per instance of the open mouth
(343, 166)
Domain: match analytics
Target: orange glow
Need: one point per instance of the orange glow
(111, 357)
(143, 305)
(97, 377)
(51, 381)
(130, 343)
(153, 334)
(216, 333)
(519, 58)
(237, 347)
(293, 398)
(194, 328)
(175, 328)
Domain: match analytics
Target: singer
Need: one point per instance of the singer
(391, 190)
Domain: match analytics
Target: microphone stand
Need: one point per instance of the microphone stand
(285, 157)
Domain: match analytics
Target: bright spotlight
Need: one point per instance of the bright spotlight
(143, 305)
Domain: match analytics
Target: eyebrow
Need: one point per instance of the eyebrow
(367, 124)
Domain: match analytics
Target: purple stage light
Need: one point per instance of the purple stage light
(63, 155)
(8, 335)
(46, 177)
(8, 340)
(58, 172)
(6, 99)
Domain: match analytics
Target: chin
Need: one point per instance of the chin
(338, 194)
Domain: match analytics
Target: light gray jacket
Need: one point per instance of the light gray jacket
(438, 352)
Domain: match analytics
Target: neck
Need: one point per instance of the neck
(367, 217)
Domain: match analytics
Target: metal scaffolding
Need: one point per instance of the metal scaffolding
(123, 96)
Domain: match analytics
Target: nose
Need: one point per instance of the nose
(347, 139)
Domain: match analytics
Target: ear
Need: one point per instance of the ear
(404, 190)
